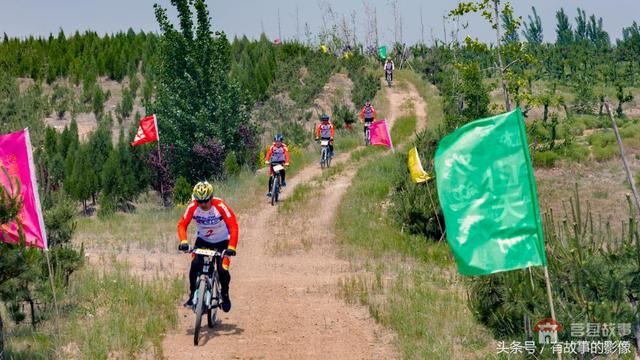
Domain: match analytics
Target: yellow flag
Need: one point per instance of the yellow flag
(418, 175)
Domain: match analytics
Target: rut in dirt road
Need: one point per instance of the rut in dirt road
(284, 283)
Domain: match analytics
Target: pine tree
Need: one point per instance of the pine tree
(564, 32)
(533, 29)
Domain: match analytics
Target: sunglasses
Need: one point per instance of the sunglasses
(202, 201)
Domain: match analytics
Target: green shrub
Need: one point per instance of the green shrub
(342, 116)
(546, 159)
(604, 153)
(230, 165)
(602, 138)
(574, 152)
(181, 191)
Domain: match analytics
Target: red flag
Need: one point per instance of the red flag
(147, 131)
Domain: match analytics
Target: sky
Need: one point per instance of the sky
(250, 17)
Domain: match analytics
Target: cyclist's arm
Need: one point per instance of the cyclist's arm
(333, 131)
(185, 220)
(230, 219)
(267, 157)
(318, 131)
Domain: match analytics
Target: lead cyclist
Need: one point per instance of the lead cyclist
(216, 229)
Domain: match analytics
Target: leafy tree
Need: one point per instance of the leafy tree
(197, 101)
(622, 98)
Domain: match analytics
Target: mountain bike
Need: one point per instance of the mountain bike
(207, 298)
(276, 182)
(367, 135)
(325, 154)
(388, 77)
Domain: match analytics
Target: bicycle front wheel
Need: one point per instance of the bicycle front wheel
(202, 289)
(274, 190)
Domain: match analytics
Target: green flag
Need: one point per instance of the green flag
(382, 52)
(488, 196)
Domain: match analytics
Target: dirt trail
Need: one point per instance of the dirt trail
(284, 297)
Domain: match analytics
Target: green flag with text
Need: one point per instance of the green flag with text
(488, 196)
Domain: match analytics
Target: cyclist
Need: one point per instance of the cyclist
(389, 67)
(367, 114)
(325, 131)
(278, 153)
(217, 229)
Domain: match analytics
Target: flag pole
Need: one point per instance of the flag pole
(155, 120)
(550, 298)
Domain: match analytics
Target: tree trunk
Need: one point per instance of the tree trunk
(545, 116)
(33, 313)
(1, 338)
(507, 103)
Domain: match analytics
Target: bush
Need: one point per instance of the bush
(574, 152)
(181, 191)
(342, 116)
(546, 159)
(230, 164)
(602, 138)
(604, 153)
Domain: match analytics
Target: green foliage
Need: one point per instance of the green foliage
(125, 107)
(533, 29)
(365, 80)
(593, 270)
(230, 165)
(545, 159)
(181, 191)
(199, 106)
(342, 116)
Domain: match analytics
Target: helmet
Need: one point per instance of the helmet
(324, 117)
(203, 191)
(367, 103)
(278, 137)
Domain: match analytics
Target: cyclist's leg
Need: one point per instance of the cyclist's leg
(224, 276)
(283, 174)
(196, 264)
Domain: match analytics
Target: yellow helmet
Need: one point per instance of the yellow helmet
(203, 191)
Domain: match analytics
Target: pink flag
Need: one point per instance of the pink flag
(16, 157)
(379, 134)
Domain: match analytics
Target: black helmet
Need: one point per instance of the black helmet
(324, 117)
(278, 137)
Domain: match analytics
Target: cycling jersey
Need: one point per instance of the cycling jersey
(215, 225)
(368, 113)
(325, 131)
(277, 154)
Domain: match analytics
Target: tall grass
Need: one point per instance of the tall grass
(104, 315)
(408, 283)
(424, 300)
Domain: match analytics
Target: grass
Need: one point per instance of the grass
(403, 128)
(92, 324)
(423, 300)
(408, 283)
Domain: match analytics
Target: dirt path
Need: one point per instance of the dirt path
(284, 302)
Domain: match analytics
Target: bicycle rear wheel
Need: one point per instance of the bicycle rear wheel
(202, 288)
(323, 157)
